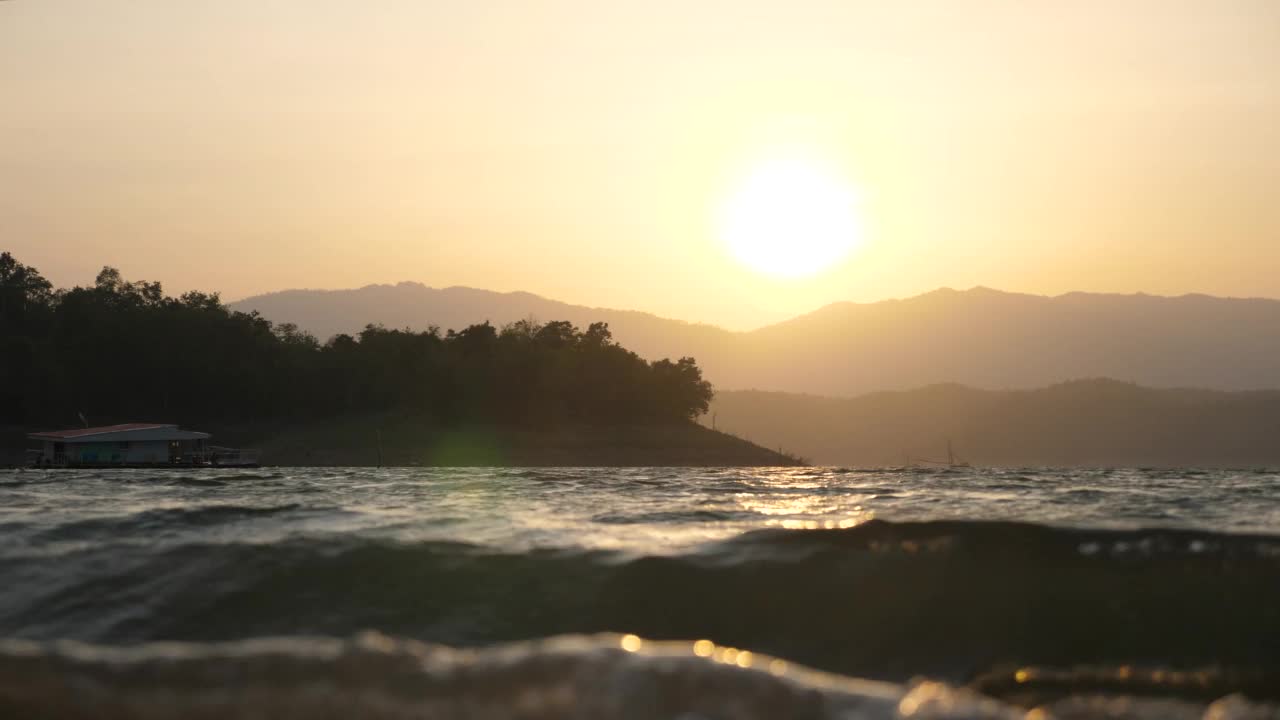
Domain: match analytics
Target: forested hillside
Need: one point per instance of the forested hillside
(119, 350)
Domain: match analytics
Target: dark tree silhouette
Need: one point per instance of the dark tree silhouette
(124, 350)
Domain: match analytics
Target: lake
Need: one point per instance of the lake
(966, 576)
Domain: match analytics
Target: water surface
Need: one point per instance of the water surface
(957, 575)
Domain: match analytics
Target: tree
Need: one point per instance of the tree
(123, 350)
(25, 297)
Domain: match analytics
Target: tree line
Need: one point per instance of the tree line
(120, 350)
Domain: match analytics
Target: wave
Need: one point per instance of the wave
(162, 519)
(614, 518)
(604, 677)
(947, 599)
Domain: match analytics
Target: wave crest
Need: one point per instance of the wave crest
(603, 677)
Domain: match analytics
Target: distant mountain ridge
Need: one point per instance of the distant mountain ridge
(413, 305)
(1093, 423)
(980, 337)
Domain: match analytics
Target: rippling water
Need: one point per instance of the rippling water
(638, 511)
(996, 579)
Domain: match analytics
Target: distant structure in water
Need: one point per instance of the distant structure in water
(951, 462)
(133, 445)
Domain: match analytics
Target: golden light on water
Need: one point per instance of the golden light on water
(733, 656)
(792, 215)
(841, 524)
(807, 511)
(631, 643)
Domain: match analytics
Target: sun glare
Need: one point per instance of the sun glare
(791, 216)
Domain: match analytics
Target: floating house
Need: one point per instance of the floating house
(133, 445)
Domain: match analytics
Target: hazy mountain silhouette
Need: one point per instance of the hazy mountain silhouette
(1099, 423)
(414, 305)
(980, 337)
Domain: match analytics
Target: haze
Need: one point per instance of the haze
(578, 150)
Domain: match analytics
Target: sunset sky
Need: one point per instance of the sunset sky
(587, 150)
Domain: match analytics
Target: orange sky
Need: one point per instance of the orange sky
(578, 149)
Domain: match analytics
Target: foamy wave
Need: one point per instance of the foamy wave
(603, 677)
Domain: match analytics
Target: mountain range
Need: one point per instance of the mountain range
(1095, 423)
(980, 337)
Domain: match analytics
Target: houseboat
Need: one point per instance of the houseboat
(133, 445)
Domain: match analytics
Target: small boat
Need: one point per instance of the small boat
(950, 462)
(951, 459)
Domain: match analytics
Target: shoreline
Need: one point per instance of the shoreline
(406, 441)
(414, 442)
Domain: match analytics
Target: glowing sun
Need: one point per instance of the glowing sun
(790, 216)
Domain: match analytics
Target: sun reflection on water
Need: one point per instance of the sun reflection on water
(800, 501)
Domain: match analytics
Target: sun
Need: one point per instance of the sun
(791, 216)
